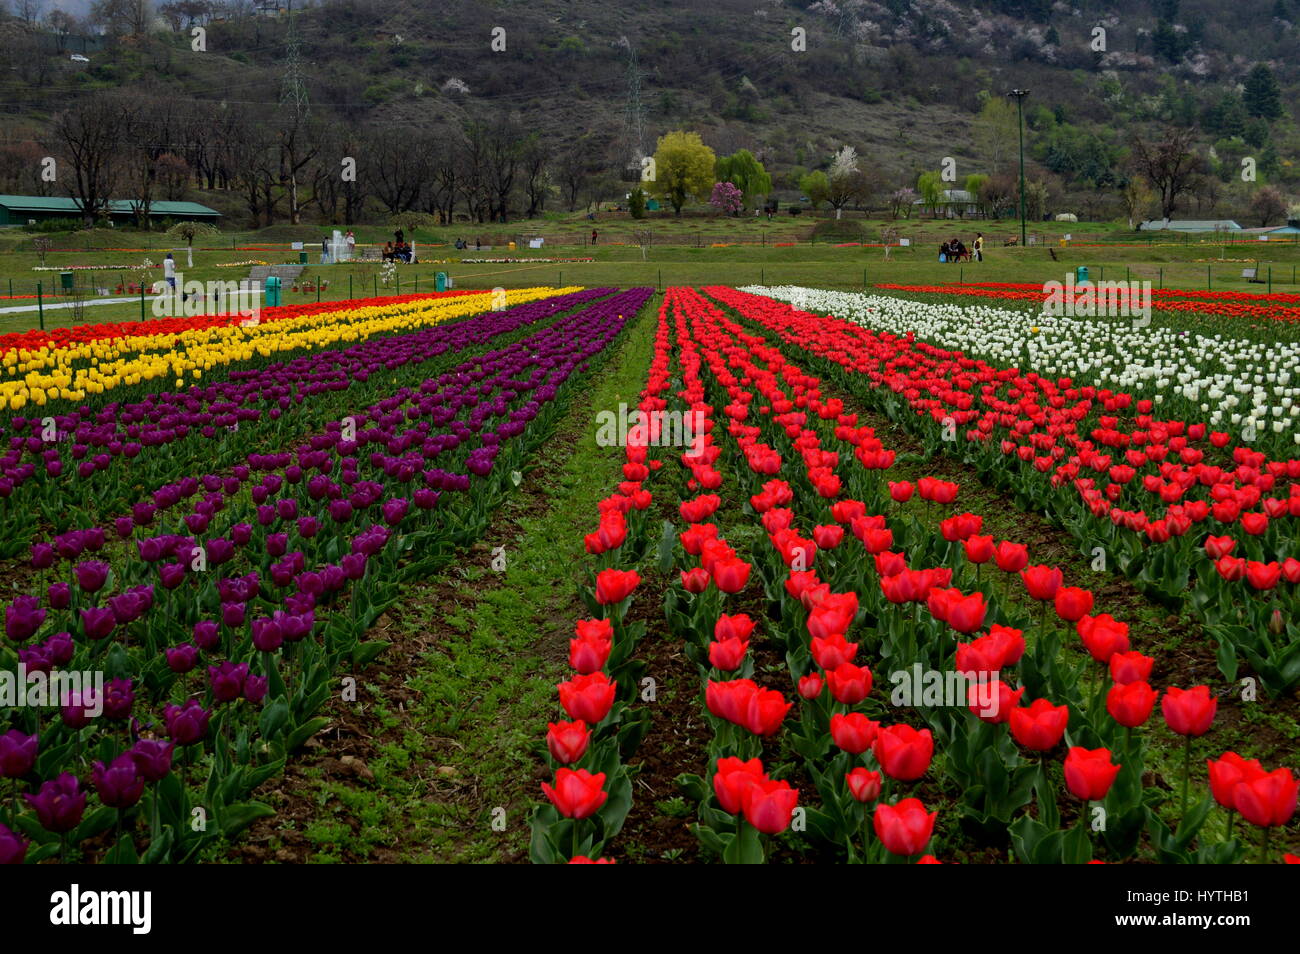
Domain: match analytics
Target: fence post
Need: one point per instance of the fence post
(142, 301)
(1209, 281)
(1270, 279)
(1162, 277)
(40, 306)
(376, 294)
(349, 286)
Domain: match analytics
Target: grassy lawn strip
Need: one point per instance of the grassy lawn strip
(436, 760)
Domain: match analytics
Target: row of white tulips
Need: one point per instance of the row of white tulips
(1247, 386)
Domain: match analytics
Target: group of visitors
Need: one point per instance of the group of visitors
(397, 252)
(955, 250)
(462, 244)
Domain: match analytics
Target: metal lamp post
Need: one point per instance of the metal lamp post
(1020, 95)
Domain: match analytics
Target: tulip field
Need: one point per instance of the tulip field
(914, 575)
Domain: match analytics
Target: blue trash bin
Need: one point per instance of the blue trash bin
(1081, 274)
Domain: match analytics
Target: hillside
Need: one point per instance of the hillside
(903, 82)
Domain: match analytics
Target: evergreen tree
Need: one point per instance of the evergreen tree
(1262, 96)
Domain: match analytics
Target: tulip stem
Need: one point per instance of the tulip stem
(1232, 817)
(1187, 771)
(1264, 843)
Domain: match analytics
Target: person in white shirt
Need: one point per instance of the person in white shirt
(169, 270)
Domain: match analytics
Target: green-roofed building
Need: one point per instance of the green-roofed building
(16, 210)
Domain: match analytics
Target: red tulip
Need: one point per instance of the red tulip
(901, 490)
(695, 580)
(1130, 666)
(848, 683)
(864, 785)
(834, 614)
(614, 586)
(765, 712)
(769, 805)
(1040, 725)
(588, 697)
(1267, 800)
(567, 740)
(966, 613)
(993, 701)
(905, 828)
(1218, 547)
(1103, 636)
(854, 732)
(1189, 711)
(1011, 557)
(979, 549)
(733, 779)
(1130, 703)
(1089, 773)
(810, 686)
(736, 626)
(1227, 773)
(832, 651)
(1263, 576)
(828, 536)
(577, 793)
(730, 576)
(1041, 582)
(903, 752)
(727, 654)
(588, 655)
(1073, 603)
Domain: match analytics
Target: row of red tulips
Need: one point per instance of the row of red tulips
(817, 587)
(1220, 532)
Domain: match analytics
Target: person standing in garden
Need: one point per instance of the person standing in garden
(593, 236)
(979, 246)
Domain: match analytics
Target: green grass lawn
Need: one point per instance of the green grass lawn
(683, 253)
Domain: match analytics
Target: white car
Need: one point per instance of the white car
(78, 58)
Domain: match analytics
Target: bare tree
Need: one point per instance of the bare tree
(1169, 164)
(89, 135)
(535, 159)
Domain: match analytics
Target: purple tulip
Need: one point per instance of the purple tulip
(123, 526)
(340, 511)
(17, 753)
(287, 509)
(119, 697)
(60, 648)
(97, 622)
(227, 681)
(118, 784)
(267, 635)
(241, 533)
(220, 550)
(186, 724)
(354, 566)
(153, 759)
(42, 556)
(91, 575)
(426, 499)
(308, 527)
(255, 688)
(206, 635)
(23, 617)
(182, 659)
(127, 607)
(395, 510)
(79, 709)
(13, 849)
(233, 614)
(277, 544)
(59, 804)
(171, 575)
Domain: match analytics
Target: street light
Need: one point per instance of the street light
(1020, 95)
